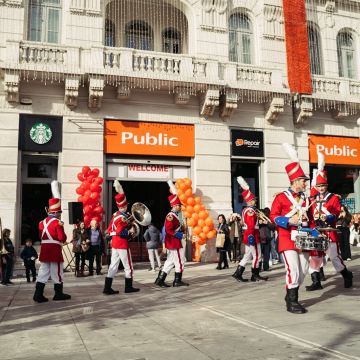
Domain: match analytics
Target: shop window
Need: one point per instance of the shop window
(171, 41)
(315, 50)
(37, 170)
(44, 20)
(139, 35)
(240, 39)
(346, 54)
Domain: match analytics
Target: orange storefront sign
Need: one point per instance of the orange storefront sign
(337, 150)
(146, 138)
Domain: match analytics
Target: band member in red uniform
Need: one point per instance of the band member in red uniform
(118, 230)
(173, 236)
(325, 212)
(52, 235)
(289, 209)
(251, 237)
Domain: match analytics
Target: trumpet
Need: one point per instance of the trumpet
(140, 215)
(262, 216)
(3, 250)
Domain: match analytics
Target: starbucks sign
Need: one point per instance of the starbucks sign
(40, 133)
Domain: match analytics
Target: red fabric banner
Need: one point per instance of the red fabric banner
(297, 48)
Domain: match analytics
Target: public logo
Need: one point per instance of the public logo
(40, 133)
(338, 150)
(247, 143)
(160, 139)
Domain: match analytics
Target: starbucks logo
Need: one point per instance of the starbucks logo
(40, 133)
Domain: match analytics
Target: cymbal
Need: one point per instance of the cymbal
(326, 229)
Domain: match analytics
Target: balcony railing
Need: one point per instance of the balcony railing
(37, 53)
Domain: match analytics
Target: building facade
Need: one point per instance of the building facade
(148, 91)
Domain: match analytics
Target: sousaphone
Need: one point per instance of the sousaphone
(140, 215)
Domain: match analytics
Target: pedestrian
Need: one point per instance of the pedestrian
(174, 232)
(7, 259)
(235, 235)
(29, 255)
(96, 248)
(52, 236)
(223, 229)
(119, 232)
(266, 230)
(80, 247)
(288, 211)
(152, 237)
(343, 225)
(251, 236)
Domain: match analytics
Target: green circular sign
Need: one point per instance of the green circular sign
(40, 133)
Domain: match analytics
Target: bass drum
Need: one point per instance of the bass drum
(308, 242)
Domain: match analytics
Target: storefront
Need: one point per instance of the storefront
(247, 154)
(40, 142)
(143, 156)
(342, 156)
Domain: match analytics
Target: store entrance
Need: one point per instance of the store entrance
(250, 172)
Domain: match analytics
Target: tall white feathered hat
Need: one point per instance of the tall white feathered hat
(120, 197)
(321, 177)
(54, 202)
(173, 198)
(293, 169)
(246, 194)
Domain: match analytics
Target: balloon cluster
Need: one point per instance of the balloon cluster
(194, 211)
(89, 194)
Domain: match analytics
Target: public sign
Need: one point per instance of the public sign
(337, 150)
(149, 171)
(247, 143)
(40, 133)
(147, 138)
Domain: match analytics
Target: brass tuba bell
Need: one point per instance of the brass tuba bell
(140, 215)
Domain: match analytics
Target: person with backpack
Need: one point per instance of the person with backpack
(152, 237)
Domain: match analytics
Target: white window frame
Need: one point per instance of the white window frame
(345, 70)
(316, 58)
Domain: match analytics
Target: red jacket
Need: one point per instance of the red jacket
(172, 226)
(330, 207)
(281, 210)
(251, 225)
(117, 225)
(52, 236)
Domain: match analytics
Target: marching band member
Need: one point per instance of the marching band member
(173, 236)
(325, 212)
(251, 237)
(289, 209)
(118, 230)
(52, 235)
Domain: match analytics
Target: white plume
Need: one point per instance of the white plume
(118, 187)
(313, 180)
(172, 187)
(244, 185)
(291, 152)
(55, 189)
(321, 161)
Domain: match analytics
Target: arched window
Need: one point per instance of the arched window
(44, 20)
(315, 50)
(109, 33)
(240, 39)
(346, 54)
(171, 40)
(139, 35)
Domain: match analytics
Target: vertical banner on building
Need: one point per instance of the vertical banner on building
(297, 47)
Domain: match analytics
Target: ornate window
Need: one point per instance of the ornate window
(346, 54)
(171, 40)
(240, 39)
(109, 33)
(44, 20)
(315, 50)
(139, 35)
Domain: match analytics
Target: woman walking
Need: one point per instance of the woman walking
(223, 229)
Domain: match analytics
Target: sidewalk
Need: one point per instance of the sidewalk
(214, 318)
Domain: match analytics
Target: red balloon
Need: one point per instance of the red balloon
(98, 210)
(95, 172)
(87, 193)
(99, 180)
(80, 176)
(86, 170)
(85, 199)
(80, 199)
(87, 209)
(79, 190)
(97, 218)
(94, 187)
(95, 196)
(87, 219)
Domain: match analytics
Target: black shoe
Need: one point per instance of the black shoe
(39, 293)
(292, 303)
(4, 283)
(256, 277)
(28, 280)
(238, 275)
(107, 287)
(10, 282)
(59, 295)
(178, 280)
(322, 275)
(160, 280)
(316, 284)
(129, 286)
(347, 276)
(34, 279)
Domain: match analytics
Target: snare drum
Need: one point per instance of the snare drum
(309, 242)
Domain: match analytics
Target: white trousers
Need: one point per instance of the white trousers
(297, 266)
(152, 253)
(125, 256)
(333, 253)
(53, 270)
(251, 252)
(175, 258)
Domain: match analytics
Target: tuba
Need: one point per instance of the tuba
(3, 250)
(140, 215)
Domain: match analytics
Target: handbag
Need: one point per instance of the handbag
(220, 240)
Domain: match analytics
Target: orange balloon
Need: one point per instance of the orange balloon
(195, 216)
(182, 186)
(205, 229)
(183, 198)
(208, 221)
(180, 192)
(211, 234)
(188, 182)
(202, 207)
(201, 222)
(202, 236)
(188, 192)
(190, 201)
(201, 241)
(203, 214)
(187, 214)
(191, 222)
(189, 209)
(183, 208)
(196, 208)
(197, 230)
(177, 185)
(197, 199)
